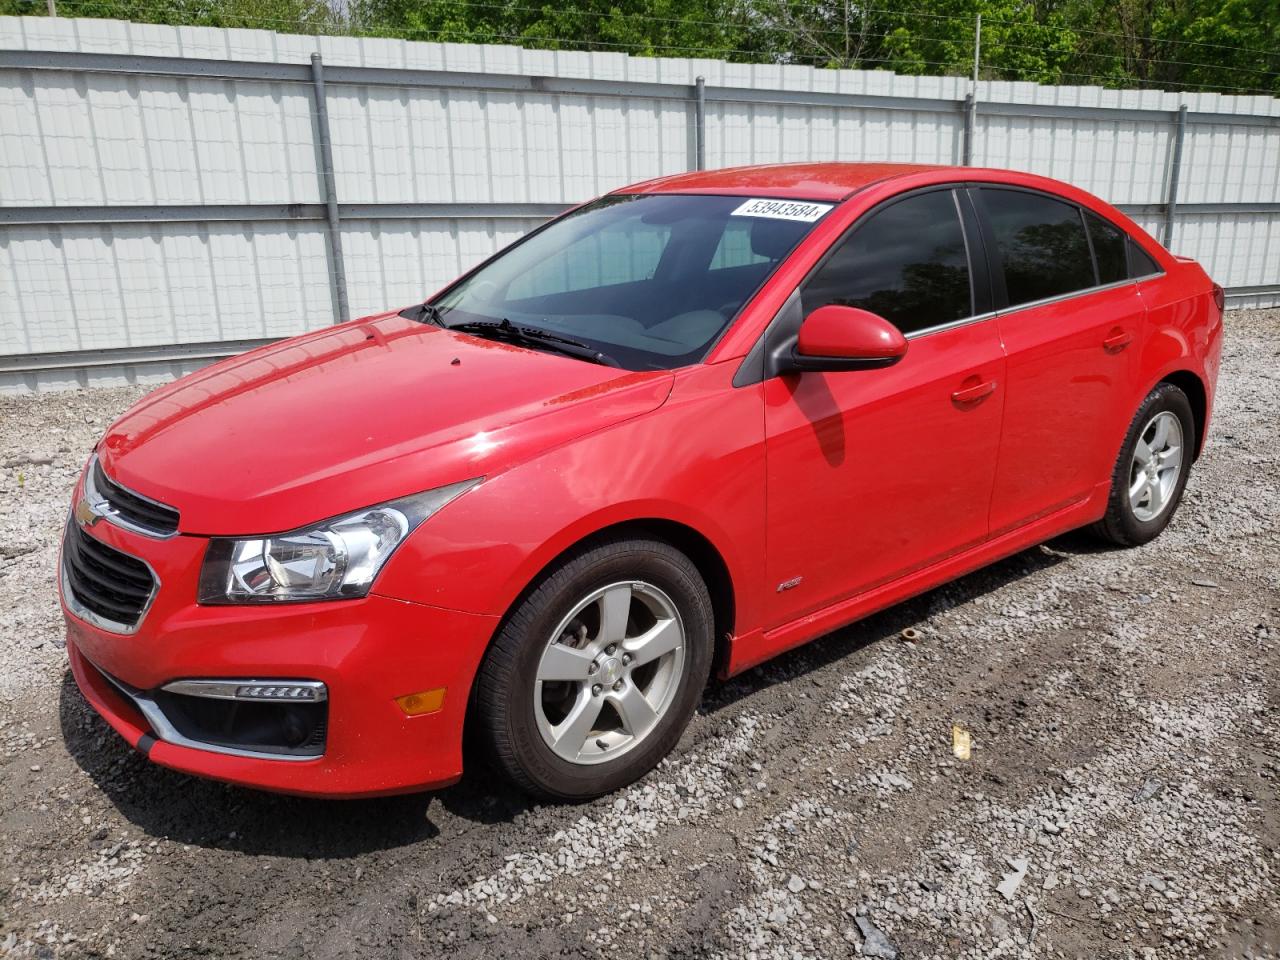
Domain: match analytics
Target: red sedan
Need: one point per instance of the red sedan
(681, 428)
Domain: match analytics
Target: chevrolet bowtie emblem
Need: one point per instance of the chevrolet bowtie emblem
(85, 515)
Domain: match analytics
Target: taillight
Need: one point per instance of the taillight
(1219, 297)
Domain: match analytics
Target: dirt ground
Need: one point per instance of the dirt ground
(1126, 755)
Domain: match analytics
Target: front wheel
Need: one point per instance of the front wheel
(1152, 469)
(596, 673)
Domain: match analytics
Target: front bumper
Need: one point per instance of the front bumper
(367, 652)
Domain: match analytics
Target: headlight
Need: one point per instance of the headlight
(334, 559)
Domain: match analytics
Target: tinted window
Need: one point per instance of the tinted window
(1041, 242)
(1140, 262)
(907, 263)
(1108, 249)
(649, 280)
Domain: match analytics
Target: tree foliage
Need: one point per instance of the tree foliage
(1181, 44)
(1223, 45)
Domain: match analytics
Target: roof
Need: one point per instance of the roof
(798, 181)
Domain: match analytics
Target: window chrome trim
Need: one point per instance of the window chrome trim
(166, 731)
(1070, 294)
(96, 620)
(950, 325)
(1006, 311)
(97, 502)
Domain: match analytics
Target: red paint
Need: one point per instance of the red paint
(800, 181)
(1068, 402)
(833, 331)
(873, 474)
(869, 485)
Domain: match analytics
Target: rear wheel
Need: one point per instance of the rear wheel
(596, 673)
(1152, 469)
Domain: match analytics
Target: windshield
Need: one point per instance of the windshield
(647, 280)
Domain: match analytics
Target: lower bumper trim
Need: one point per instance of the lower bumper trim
(253, 691)
(166, 731)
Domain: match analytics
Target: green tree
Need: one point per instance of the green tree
(658, 28)
(1181, 44)
(935, 36)
(305, 16)
(1225, 45)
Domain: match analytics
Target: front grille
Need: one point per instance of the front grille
(132, 509)
(111, 586)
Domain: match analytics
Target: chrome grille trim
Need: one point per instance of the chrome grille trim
(126, 508)
(78, 605)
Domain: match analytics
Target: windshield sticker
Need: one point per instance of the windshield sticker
(782, 210)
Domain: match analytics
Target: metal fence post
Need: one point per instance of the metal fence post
(970, 109)
(1175, 168)
(329, 193)
(971, 98)
(700, 124)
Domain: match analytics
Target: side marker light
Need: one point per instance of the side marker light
(417, 704)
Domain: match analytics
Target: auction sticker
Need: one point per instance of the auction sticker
(782, 210)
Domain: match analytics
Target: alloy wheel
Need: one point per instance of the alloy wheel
(1156, 466)
(610, 672)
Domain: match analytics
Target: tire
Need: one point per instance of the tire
(559, 656)
(1130, 524)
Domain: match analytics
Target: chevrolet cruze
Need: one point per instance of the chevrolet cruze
(677, 430)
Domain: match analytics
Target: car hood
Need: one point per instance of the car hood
(355, 415)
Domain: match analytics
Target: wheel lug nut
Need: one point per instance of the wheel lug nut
(593, 667)
(595, 690)
(618, 685)
(626, 658)
(611, 648)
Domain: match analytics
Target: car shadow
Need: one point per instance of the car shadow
(891, 622)
(185, 809)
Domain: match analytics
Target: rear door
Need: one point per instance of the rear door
(1069, 319)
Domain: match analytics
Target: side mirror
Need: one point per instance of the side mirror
(847, 338)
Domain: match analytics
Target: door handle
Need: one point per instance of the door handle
(1117, 341)
(974, 393)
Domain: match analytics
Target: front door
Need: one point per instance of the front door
(873, 474)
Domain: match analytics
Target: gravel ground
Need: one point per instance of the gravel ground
(1120, 801)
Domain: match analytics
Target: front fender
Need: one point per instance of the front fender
(697, 461)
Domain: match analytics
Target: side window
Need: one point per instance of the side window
(623, 253)
(1140, 262)
(1041, 242)
(1108, 249)
(907, 263)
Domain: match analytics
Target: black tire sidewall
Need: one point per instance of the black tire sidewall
(1165, 397)
(508, 690)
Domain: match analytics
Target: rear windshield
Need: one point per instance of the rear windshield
(649, 280)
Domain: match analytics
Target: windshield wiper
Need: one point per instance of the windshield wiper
(430, 313)
(533, 337)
